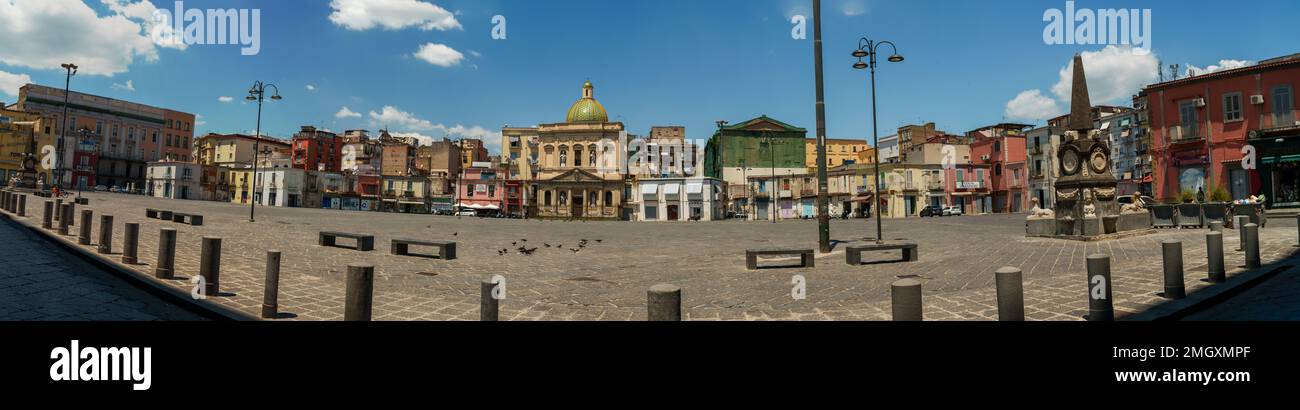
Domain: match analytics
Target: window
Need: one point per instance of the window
(1232, 107)
(609, 198)
(979, 175)
(651, 211)
(547, 198)
(577, 156)
(961, 176)
(1282, 105)
(1187, 115)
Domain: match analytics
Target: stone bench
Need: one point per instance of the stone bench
(365, 243)
(191, 219)
(853, 254)
(446, 250)
(805, 256)
(158, 214)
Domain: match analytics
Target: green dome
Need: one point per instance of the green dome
(587, 109)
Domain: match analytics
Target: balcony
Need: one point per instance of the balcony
(934, 185)
(1183, 133)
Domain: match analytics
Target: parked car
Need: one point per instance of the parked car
(100, 188)
(467, 212)
(115, 189)
(952, 211)
(932, 211)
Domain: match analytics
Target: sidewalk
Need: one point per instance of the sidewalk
(1277, 299)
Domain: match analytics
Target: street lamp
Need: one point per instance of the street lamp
(258, 93)
(67, 94)
(775, 194)
(867, 49)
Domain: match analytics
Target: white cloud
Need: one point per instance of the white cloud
(491, 139)
(1115, 74)
(1032, 105)
(346, 113)
(142, 12)
(439, 55)
(852, 8)
(199, 121)
(127, 86)
(311, 87)
(43, 34)
(1223, 65)
(423, 139)
(226, 99)
(390, 116)
(361, 15)
(10, 83)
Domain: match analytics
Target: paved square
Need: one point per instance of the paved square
(607, 278)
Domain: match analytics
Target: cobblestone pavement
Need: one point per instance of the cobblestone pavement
(42, 282)
(1277, 299)
(608, 278)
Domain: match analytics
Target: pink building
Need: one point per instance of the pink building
(967, 187)
(1003, 149)
(480, 190)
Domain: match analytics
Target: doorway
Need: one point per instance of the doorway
(576, 207)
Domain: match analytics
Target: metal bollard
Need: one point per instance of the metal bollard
(47, 220)
(1297, 221)
(58, 208)
(1214, 251)
(65, 213)
(360, 293)
(1241, 222)
(1173, 261)
(1252, 246)
(271, 294)
(86, 217)
(210, 266)
(1011, 294)
(72, 214)
(664, 303)
(22, 205)
(105, 234)
(131, 245)
(166, 268)
(1100, 306)
(906, 297)
(488, 306)
(1216, 226)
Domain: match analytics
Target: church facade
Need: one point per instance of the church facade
(577, 169)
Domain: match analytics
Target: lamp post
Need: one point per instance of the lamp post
(775, 194)
(67, 95)
(823, 194)
(867, 49)
(258, 93)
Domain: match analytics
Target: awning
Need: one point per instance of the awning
(1281, 159)
(410, 203)
(650, 191)
(672, 192)
(695, 192)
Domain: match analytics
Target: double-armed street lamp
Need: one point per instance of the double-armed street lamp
(67, 94)
(867, 49)
(258, 93)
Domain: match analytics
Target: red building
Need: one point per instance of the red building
(1201, 124)
(317, 150)
(85, 160)
(1002, 149)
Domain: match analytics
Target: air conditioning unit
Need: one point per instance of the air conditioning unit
(1200, 102)
(984, 157)
(1257, 99)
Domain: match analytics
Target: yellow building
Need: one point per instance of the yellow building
(23, 138)
(238, 183)
(580, 163)
(838, 151)
(233, 149)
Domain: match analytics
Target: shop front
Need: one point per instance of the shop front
(1278, 176)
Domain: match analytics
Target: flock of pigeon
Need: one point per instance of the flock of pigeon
(523, 248)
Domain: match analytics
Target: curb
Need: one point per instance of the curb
(149, 284)
(1211, 295)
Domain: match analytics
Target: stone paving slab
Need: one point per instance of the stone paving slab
(607, 278)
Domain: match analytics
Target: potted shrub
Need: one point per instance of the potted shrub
(1217, 208)
(1162, 216)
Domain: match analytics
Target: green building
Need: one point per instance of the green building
(746, 156)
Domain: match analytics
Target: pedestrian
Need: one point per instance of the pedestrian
(1200, 195)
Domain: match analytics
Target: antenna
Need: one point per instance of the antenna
(1173, 71)
(1159, 71)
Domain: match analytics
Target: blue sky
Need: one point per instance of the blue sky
(662, 62)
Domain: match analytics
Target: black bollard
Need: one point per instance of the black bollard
(1251, 246)
(58, 210)
(664, 303)
(360, 293)
(1011, 294)
(47, 220)
(1214, 254)
(1100, 307)
(22, 205)
(1173, 263)
(906, 298)
(131, 245)
(105, 234)
(210, 266)
(166, 268)
(488, 306)
(1241, 222)
(86, 217)
(64, 215)
(271, 294)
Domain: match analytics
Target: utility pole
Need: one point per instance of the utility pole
(67, 95)
(823, 220)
